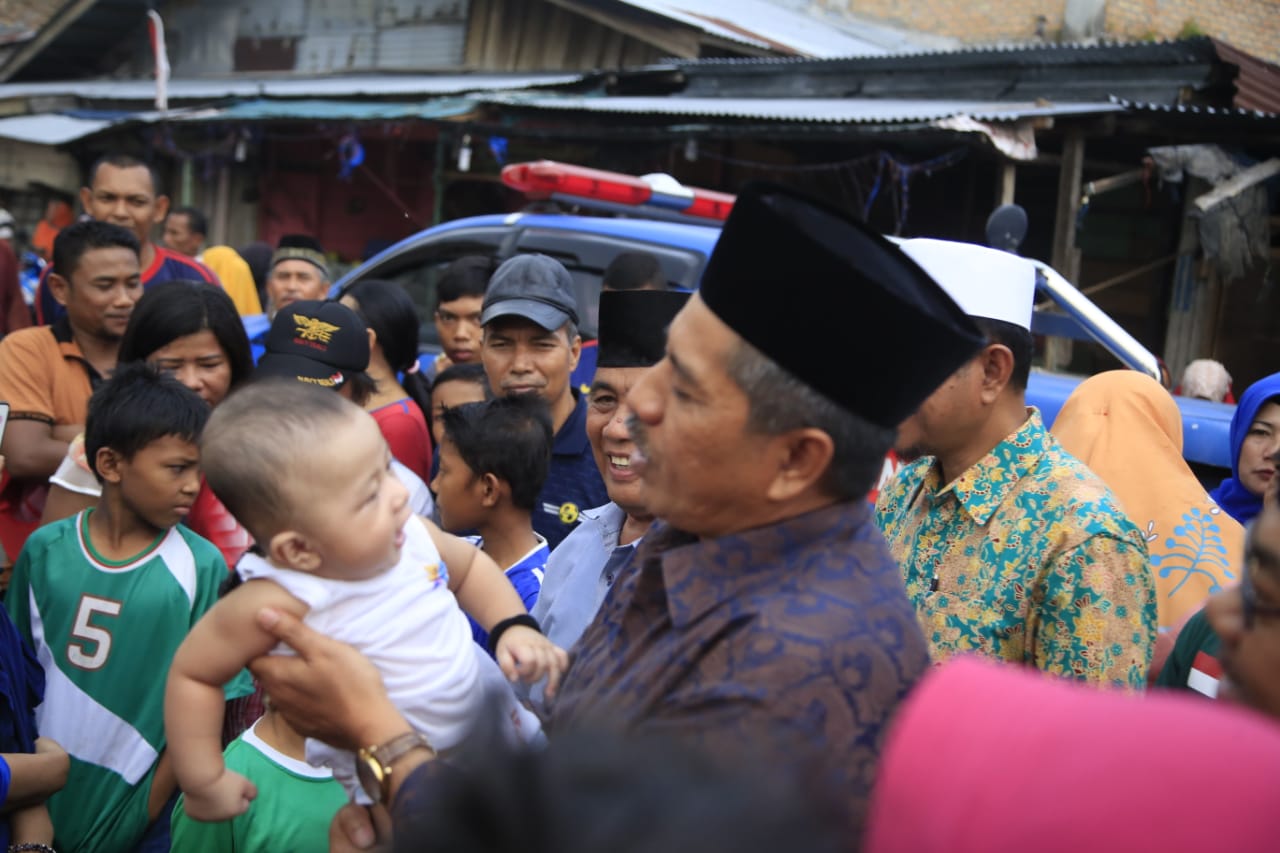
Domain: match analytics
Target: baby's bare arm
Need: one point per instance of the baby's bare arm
(480, 586)
(484, 591)
(220, 645)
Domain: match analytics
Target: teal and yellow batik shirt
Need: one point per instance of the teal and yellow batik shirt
(1026, 557)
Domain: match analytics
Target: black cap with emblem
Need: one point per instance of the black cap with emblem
(320, 343)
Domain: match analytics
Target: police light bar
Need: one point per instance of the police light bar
(545, 179)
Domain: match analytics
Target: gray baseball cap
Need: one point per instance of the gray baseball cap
(535, 287)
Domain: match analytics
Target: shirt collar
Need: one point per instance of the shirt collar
(982, 488)
(608, 519)
(67, 345)
(700, 574)
(571, 440)
(61, 329)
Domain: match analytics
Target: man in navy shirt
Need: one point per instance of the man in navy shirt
(127, 192)
(531, 346)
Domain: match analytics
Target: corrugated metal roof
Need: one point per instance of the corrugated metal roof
(771, 25)
(1258, 81)
(1193, 110)
(61, 128)
(1189, 51)
(322, 110)
(50, 129)
(373, 85)
(829, 110)
(28, 15)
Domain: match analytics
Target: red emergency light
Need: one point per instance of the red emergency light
(546, 178)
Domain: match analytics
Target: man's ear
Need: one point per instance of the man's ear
(373, 339)
(800, 459)
(86, 195)
(291, 549)
(996, 363)
(162, 209)
(490, 490)
(108, 462)
(575, 352)
(59, 287)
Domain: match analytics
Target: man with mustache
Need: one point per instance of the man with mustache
(531, 346)
(762, 615)
(633, 334)
(762, 618)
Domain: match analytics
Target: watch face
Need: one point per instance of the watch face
(369, 774)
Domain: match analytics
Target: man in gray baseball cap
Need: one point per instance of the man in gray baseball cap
(531, 346)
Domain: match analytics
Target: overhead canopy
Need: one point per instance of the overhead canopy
(352, 85)
(832, 110)
(50, 128)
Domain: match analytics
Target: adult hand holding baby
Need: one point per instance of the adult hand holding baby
(328, 691)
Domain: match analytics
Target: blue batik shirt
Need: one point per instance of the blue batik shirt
(794, 642)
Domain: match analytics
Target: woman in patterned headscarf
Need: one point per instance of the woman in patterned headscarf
(1128, 430)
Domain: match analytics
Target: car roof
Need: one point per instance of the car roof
(676, 234)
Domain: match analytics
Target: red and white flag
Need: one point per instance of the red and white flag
(1205, 675)
(155, 28)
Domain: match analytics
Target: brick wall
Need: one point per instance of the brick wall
(1251, 25)
(972, 21)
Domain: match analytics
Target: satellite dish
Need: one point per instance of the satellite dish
(1007, 228)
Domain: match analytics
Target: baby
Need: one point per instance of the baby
(308, 474)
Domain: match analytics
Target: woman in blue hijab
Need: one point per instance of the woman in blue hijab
(1255, 438)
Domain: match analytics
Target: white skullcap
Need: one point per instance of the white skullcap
(983, 282)
(1206, 379)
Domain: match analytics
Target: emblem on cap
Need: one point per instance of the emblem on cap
(312, 329)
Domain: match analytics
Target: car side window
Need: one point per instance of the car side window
(587, 255)
(418, 270)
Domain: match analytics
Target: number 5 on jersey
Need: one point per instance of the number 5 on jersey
(92, 643)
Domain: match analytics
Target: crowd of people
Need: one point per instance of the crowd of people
(294, 591)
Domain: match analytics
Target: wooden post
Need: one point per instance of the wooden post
(1066, 257)
(221, 208)
(1008, 182)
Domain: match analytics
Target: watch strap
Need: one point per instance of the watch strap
(388, 753)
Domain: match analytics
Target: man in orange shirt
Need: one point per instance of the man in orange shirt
(47, 373)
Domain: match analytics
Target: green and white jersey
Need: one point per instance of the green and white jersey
(105, 633)
(292, 812)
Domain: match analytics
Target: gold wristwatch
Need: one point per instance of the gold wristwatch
(373, 764)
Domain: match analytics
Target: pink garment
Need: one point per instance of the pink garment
(992, 758)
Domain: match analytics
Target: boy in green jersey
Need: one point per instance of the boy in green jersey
(106, 597)
(294, 807)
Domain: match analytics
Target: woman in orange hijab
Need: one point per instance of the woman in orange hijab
(1128, 430)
